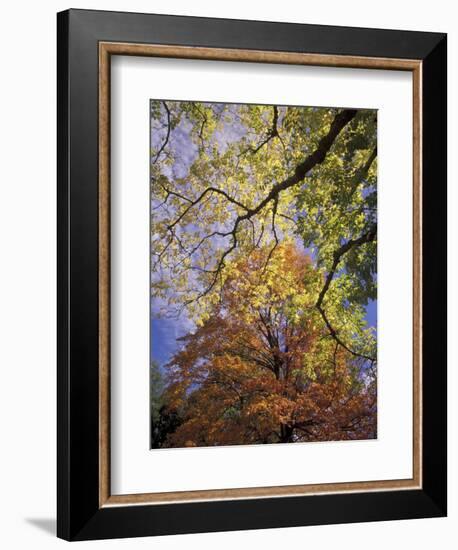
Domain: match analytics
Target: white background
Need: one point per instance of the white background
(136, 468)
(27, 286)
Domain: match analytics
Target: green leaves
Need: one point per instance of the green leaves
(338, 204)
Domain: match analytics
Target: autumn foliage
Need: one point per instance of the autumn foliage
(262, 368)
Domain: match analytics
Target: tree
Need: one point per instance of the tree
(263, 368)
(162, 422)
(230, 180)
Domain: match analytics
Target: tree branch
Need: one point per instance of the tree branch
(367, 237)
(363, 170)
(200, 197)
(274, 232)
(317, 157)
(341, 119)
(272, 133)
(166, 137)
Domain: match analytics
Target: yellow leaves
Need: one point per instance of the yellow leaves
(258, 408)
(280, 280)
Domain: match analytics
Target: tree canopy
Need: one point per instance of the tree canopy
(261, 369)
(263, 233)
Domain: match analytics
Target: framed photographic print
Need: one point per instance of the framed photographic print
(252, 274)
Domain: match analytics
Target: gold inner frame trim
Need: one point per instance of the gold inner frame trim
(106, 50)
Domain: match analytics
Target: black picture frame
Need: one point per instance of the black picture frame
(80, 516)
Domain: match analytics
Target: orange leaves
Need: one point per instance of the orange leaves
(263, 369)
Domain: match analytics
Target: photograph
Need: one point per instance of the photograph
(263, 270)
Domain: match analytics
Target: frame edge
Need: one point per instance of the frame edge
(63, 433)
